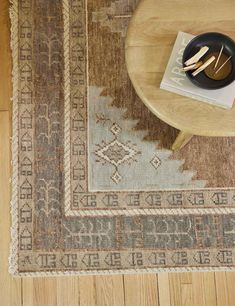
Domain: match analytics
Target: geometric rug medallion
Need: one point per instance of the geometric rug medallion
(95, 187)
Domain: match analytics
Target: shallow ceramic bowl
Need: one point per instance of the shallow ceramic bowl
(214, 41)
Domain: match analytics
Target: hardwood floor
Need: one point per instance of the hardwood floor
(186, 289)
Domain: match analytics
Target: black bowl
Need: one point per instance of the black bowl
(214, 41)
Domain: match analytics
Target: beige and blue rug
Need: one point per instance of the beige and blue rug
(95, 187)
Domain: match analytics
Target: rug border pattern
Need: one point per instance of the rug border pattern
(13, 259)
(92, 203)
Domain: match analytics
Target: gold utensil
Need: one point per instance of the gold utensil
(218, 58)
(223, 64)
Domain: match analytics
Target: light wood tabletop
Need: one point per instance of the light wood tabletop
(151, 35)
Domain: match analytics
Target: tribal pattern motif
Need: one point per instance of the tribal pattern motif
(89, 193)
(116, 153)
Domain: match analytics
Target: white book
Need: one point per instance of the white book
(175, 80)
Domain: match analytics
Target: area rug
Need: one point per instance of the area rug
(95, 187)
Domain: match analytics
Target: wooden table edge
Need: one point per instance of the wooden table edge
(196, 132)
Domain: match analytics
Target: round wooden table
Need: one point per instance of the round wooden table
(151, 35)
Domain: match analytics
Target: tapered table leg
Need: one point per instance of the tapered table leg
(181, 140)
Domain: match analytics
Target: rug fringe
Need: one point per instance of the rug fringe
(13, 258)
(124, 271)
(67, 144)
